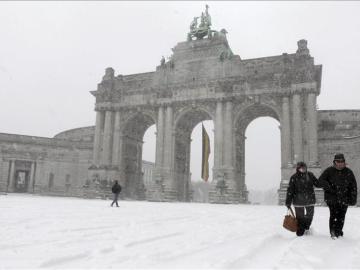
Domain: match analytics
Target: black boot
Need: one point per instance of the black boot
(300, 231)
(339, 233)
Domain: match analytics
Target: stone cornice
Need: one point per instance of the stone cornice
(262, 82)
(108, 106)
(295, 89)
(43, 141)
(308, 87)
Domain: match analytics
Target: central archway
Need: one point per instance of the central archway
(184, 124)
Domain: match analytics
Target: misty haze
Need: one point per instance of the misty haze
(170, 134)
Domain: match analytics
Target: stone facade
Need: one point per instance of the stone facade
(339, 131)
(52, 166)
(204, 80)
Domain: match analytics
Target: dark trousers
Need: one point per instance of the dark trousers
(337, 218)
(116, 196)
(304, 216)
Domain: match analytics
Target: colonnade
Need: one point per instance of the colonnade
(296, 112)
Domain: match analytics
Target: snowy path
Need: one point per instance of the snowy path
(50, 232)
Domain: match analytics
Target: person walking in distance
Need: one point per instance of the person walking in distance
(340, 190)
(116, 189)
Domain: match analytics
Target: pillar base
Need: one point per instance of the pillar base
(140, 191)
(159, 193)
(170, 195)
(282, 195)
(224, 188)
(3, 186)
(38, 189)
(161, 190)
(226, 196)
(155, 191)
(221, 192)
(99, 181)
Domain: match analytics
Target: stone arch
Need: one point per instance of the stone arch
(189, 109)
(133, 115)
(241, 121)
(185, 122)
(134, 128)
(256, 110)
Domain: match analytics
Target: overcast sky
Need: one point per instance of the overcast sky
(53, 53)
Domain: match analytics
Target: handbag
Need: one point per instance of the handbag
(290, 222)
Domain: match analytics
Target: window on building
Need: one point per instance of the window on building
(51, 181)
(67, 182)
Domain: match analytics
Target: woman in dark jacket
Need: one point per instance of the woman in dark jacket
(301, 194)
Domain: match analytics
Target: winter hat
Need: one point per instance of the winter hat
(301, 164)
(339, 157)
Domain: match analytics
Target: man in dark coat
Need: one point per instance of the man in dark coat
(340, 188)
(301, 194)
(116, 189)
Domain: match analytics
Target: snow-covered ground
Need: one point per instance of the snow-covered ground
(51, 232)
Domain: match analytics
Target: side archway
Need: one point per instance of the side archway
(133, 132)
(242, 119)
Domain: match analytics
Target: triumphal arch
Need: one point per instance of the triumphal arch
(204, 80)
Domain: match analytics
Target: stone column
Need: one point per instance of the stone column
(228, 135)
(285, 133)
(240, 159)
(107, 140)
(97, 137)
(243, 187)
(168, 138)
(170, 187)
(297, 128)
(160, 138)
(116, 140)
(121, 159)
(32, 174)
(313, 129)
(286, 147)
(10, 187)
(187, 176)
(140, 187)
(226, 188)
(155, 191)
(218, 145)
(40, 177)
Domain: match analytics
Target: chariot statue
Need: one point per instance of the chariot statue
(203, 29)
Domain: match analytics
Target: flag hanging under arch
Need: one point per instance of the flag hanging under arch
(205, 154)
